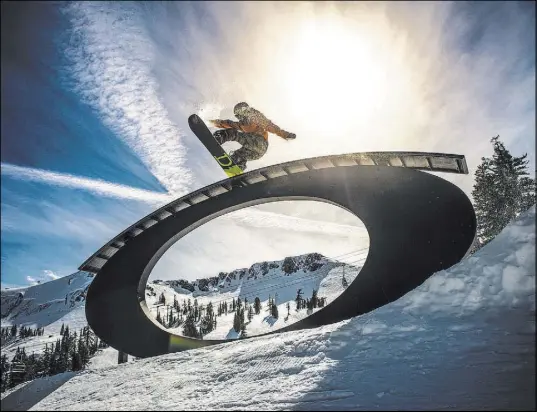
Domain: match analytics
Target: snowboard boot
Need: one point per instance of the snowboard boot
(239, 161)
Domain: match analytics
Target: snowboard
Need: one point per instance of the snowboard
(203, 133)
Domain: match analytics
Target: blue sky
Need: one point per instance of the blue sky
(95, 98)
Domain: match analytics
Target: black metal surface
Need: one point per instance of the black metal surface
(435, 162)
(418, 224)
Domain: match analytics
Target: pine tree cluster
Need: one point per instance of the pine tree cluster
(501, 191)
(309, 304)
(71, 352)
(199, 320)
(10, 333)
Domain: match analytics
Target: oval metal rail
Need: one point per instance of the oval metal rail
(417, 222)
(435, 162)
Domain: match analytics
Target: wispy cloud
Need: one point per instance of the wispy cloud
(44, 277)
(453, 74)
(82, 222)
(457, 74)
(259, 219)
(112, 63)
(244, 237)
(96, 186)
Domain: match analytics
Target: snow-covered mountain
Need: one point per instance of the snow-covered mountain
(48, 305)
(225, 282)
(44, 303)
(278, 280)
(465, 339)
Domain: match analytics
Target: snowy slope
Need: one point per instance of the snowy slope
(263, 280)
(43, 304)
(465, 339)
(49, 305)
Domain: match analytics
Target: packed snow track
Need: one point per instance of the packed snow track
(418, 224)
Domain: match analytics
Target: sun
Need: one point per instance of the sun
(333, 73)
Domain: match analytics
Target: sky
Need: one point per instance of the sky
(96, 96)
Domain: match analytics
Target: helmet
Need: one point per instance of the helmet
(240, 109)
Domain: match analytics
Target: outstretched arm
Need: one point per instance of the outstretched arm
(225, 124)
(272, 128)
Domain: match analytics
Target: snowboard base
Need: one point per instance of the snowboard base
(200, 129)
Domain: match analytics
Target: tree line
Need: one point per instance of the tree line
(11, 332)
(71, 352)
(197, 320)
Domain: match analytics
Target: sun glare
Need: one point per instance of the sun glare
(334, 73)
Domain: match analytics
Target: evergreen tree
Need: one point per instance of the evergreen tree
(189, 327)
(62, 329)
(4, 373)
(76, 361)
(314, 299)
(298, 299)
(236, 322)
(250, 314)
(257, 305)
(243, 330)
(269, 305)
(208, 322)
(162, 299)
(159, 319)
(83, 350)
(30, 364)
(288, 309)
(273, 309)
(501, 191)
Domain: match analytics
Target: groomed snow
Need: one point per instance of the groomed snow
(465, 339)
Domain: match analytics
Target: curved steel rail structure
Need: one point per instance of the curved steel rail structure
(418, 224)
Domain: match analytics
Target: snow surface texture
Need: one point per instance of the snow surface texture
(314, 271)
(465, 339)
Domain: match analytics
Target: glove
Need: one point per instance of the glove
(290, 136)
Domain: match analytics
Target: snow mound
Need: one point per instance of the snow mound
(465, 339)
(497, 277)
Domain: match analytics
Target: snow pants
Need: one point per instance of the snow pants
(254, 146)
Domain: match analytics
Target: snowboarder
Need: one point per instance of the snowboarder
(251, 132)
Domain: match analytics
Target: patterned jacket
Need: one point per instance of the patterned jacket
(257, 123)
